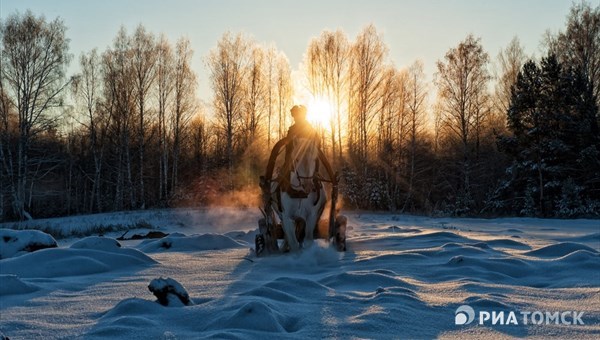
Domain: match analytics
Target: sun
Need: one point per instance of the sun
(320, 112)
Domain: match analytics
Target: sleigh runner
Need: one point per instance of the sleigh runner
(294, 198)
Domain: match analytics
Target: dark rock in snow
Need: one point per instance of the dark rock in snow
(148, 235)
(169, 292)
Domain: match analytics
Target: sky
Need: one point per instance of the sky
(422, 29)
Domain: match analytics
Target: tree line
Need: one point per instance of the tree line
(510, 135)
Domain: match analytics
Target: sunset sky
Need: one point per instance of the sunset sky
(422, 29)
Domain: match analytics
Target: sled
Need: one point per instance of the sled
(332, 229)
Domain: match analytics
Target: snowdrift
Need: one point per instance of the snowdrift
(402, 277)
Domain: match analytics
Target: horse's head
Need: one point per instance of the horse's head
(305, 156)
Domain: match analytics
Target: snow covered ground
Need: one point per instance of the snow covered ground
(402, 277)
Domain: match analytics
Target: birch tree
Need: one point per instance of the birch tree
(184, 105)
(462, 80)
(228, 64)
(88, 91)
(164, 89)
(368, 63)
(34, 58)
(143, 58)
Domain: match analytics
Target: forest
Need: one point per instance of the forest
(503, 135)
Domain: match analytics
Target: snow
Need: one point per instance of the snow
(12, 284)
(18, 242)
(401, 277)
(180, 242)
(59, 262)
(98, 243)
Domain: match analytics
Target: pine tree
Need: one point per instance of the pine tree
(554, 146)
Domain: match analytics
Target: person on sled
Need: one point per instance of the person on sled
(300, 129)
(301, 126)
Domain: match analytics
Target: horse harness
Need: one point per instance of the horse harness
(283, 179)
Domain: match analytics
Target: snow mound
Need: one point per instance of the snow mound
(485, 302)
(12, 284)
(127, 320)
(97, 243)
(508, 243)
(453, 249)
(580, 257)
(18, 242)
(559, 250)
(313, 256)
(438, 236)
(169, 292)
(245, 236)
(366, 281)
(508, 266)
(59, 262)
(272, 293)
(397, 229)
(190, 243)
(255, 315)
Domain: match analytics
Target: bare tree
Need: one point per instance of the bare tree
(270, 64)
(8, 118)
(509, 61)
(579, 45)
(326, 61)
(284, 90)
(368, 62)
(120, 103)
(184, 105)
(462, 84)
(391, 108)
(143, 58)
(228, 64)
(34, 57)
(164, 89)
(416, 112)
(255, 93)
(88, 91)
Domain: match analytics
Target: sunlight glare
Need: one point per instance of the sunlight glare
(320, 112)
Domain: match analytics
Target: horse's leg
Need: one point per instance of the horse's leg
(313, 214)
(289, 231)
(311, 221)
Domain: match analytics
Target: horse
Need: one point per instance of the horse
(302, 197)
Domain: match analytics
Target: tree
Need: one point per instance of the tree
(87, 88)
(367, 65)
(416, 105)
(579, 45)
(120, 104)
(255, 93)
(164, 89)
(555, 142)
(284, 90)
(7, 132)
(462, 81)
(228, 64)
(326, 61)
(510, 61)
(184, 105)
(143, 59)
(34, 58)
(270, 64)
